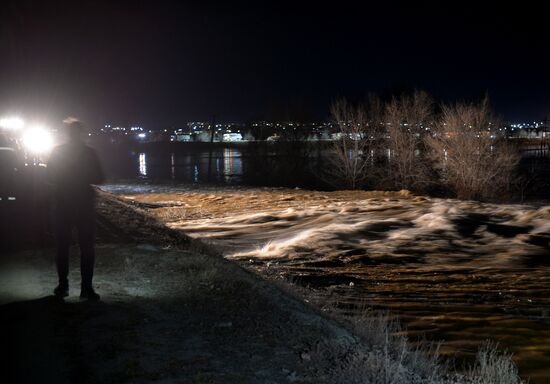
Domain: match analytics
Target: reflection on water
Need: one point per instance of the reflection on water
(142, 165)
(232, 163)
(535, 151)
(254, 164)
(173, 165)
(224, 165)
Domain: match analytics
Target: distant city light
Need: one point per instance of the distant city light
(197, 131)
(12, 123)
(37, 140)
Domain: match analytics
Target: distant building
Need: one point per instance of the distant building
(232, 137)
(182, 135)
(534, 130)
(530, 133)
(274, 137)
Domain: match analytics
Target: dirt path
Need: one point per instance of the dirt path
(168, 313)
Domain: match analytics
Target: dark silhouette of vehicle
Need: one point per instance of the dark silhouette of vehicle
(11, 185)
(9, 174)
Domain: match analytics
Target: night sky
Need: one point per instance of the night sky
(159, 64)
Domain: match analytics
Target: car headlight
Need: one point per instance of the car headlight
(37, 140)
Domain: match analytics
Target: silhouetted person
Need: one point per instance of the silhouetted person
(72, 168)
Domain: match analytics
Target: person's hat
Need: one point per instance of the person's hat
(73, 123)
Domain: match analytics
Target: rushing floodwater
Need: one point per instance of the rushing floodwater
(456, 271)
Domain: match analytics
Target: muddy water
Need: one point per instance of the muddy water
(460, 272)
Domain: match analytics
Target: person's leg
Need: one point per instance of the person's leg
(86, 238)
(63, 238)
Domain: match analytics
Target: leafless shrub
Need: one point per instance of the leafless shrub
(352, 156)
(407, 119)
(473, 158)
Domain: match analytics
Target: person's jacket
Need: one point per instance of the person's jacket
(72, 168)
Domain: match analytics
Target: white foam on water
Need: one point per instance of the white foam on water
(443, 232)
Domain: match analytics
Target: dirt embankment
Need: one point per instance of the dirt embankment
(171, 311)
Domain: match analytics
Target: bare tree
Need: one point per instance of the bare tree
(407, 119)
(352, 156)
(471, 153)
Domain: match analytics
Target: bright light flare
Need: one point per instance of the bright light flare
(37, 140)
(11, 123)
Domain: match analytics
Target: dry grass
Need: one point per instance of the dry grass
(494, 367)
(384, 355)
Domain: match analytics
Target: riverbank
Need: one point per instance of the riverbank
(453, 271)
(173, 310)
